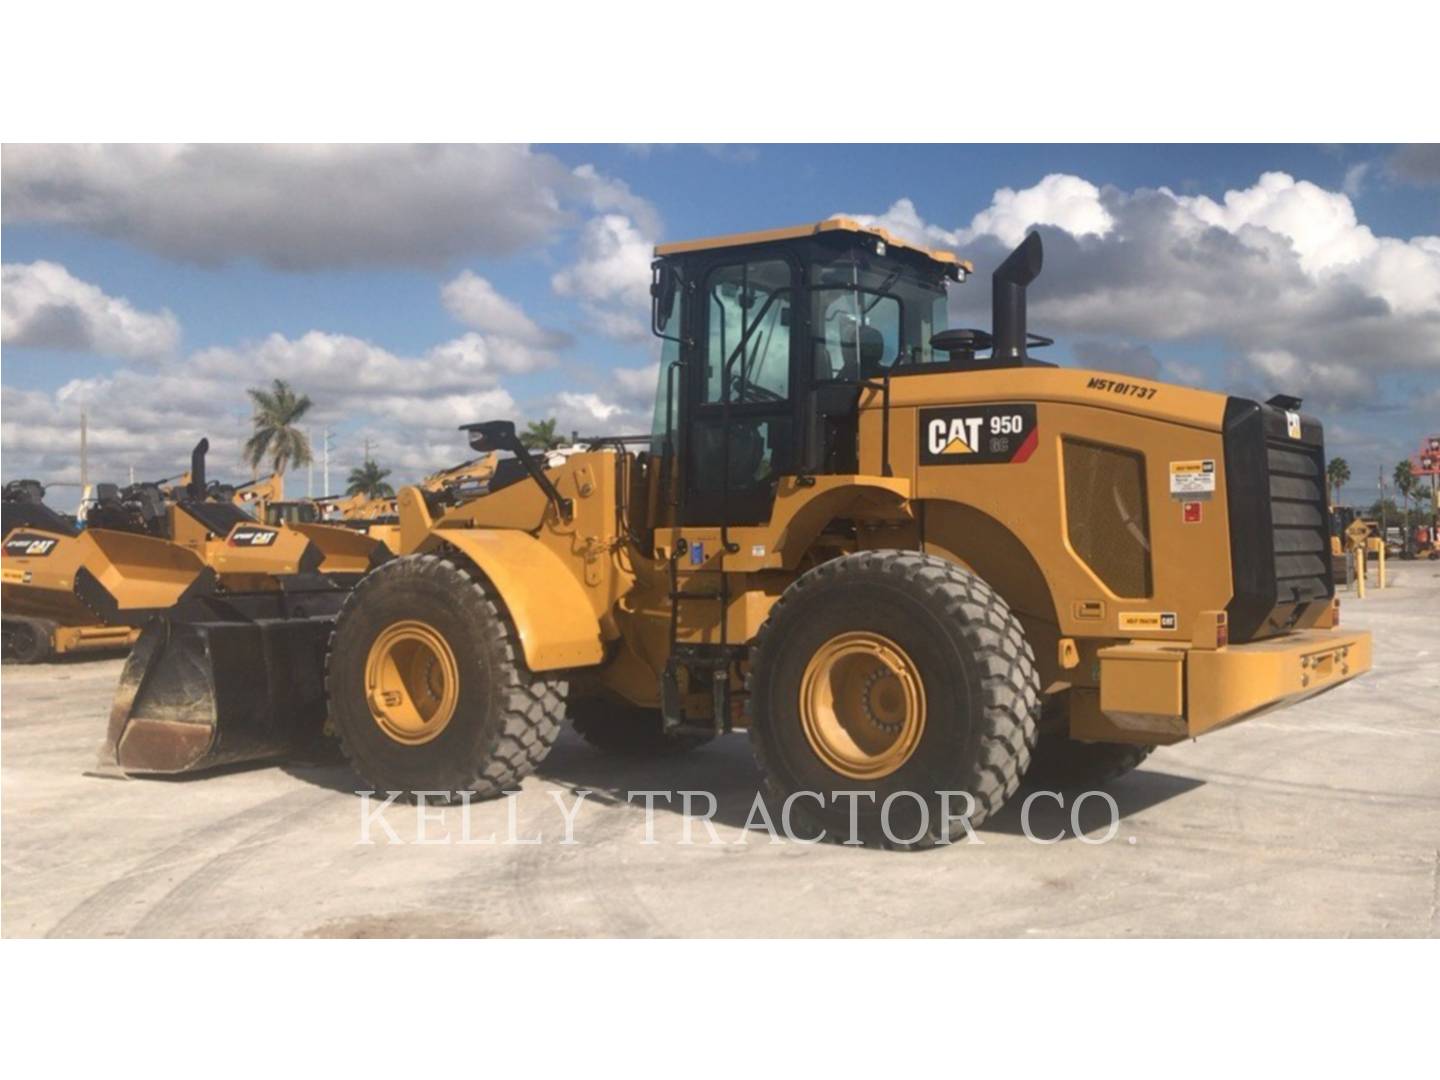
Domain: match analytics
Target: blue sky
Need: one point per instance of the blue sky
(1325, 282)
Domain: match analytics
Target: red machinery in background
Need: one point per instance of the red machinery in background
(1425, 543)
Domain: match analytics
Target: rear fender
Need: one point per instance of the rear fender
(551, 610)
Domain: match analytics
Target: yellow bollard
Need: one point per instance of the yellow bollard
(1380, 564)
(1360, 571)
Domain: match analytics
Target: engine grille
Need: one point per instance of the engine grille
(1279, 538)
(1297, 520)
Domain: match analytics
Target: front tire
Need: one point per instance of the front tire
(889, 673)
(428, 688)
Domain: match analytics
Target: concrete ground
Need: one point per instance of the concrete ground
(1323, 819)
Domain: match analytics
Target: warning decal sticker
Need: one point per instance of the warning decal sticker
(1149, 620)
(1191, 480)
(978, 435)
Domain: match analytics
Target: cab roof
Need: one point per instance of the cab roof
(835, 224)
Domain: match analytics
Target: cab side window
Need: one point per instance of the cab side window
(747, 354)
(856, 335)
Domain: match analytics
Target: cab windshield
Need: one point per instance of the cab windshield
(868, 315)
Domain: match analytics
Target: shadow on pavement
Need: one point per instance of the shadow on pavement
(726, 769)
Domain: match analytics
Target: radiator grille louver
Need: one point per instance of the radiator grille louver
(1301, 542)
(1279, 519)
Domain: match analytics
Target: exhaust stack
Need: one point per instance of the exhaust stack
(196, 487)
(1007, 301)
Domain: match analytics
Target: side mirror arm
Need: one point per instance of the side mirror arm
(500, 435)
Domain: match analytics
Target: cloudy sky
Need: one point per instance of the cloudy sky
(411, 289)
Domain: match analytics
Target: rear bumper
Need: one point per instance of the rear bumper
(1156, 693)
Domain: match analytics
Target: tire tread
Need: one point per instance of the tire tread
(534, 703)
(993, 634)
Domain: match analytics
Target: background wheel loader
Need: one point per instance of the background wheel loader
(378, 518)
(908, 558)
(44, 617)
(149, 546)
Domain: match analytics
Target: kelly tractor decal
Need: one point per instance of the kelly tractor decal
(977, 435)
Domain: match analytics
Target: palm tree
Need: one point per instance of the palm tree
(369, 480)
(277, 414)
(1338, 473)
(1405, 486)
(541, 435)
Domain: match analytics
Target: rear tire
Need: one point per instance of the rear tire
(906, 635)
(28, 641)
(628, 730)
(477, 719)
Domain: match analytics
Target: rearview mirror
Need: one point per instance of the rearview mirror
(663, 284)
(492, 435)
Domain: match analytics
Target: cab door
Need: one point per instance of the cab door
(741, 430)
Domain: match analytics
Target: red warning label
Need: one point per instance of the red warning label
(1192, 512)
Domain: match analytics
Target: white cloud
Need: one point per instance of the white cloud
(1280, 280)
(590, 406)
(1318, 381)
(904, 221)
(306, 207)
(609, 195)
(149, 416)
(1320, 224)
(476, 303)
(638, 384)
(1355, 178)
(613, 263)
(591, 413)
(1066, 202)
(1282, 264)
(44, 306)
(629, 327)
(611, 276)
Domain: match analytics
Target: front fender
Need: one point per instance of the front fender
(548, 606)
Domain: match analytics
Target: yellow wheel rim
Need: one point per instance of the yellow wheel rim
(862, 705)
(412, 682)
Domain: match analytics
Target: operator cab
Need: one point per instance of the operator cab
(769, 339)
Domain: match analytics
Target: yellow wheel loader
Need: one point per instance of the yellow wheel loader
(912, 560)
(377, 518)
(144, 549)
(211, 520)
(43, 556)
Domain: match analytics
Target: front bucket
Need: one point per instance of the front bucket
(197, 694)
